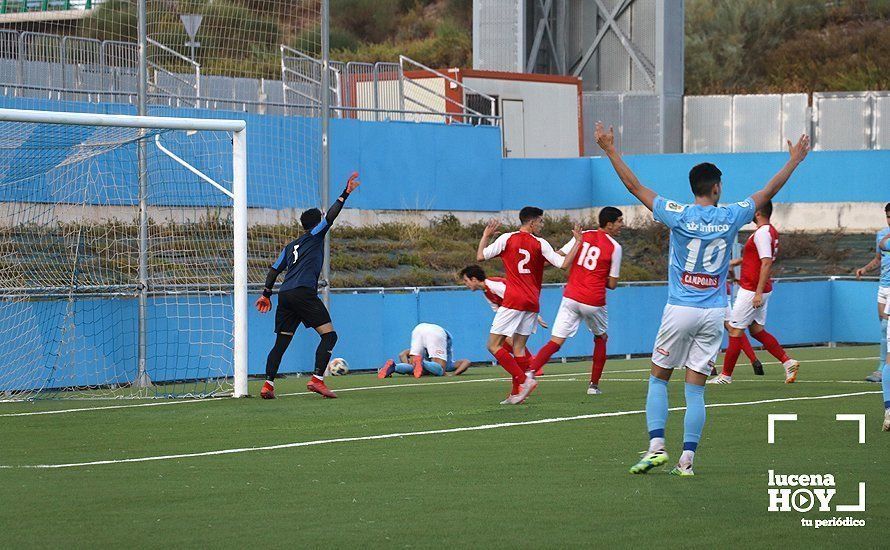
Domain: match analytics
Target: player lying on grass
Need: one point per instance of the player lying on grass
(749, 309)
(298, 300)
(431, 352)
(882, 260)
(596, 268)
(524, 255)
(691, 328)
(493, 289)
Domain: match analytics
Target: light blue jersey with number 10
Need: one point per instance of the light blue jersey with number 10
(701, 247)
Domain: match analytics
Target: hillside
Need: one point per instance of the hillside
(738, 46)
(397, 254)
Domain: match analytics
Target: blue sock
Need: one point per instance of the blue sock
(882, 358)
(404, 368)
(694, 421)
(885, 384)
(656, 407)
(433, 368)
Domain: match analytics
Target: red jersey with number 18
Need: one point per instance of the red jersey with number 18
(524, 256)
(598, 259)
(763, 243)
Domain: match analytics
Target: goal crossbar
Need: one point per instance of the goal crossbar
(238, 194)
(122, 121)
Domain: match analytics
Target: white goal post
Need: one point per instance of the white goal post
(238, 195)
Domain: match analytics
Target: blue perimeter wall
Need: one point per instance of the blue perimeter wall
(374, 327)
(804, 312)
(425, 166)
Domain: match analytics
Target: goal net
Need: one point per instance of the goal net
(122, 273)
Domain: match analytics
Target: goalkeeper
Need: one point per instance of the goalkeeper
(298, 300)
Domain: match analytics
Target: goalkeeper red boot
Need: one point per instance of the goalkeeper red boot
(318, 387)
(418, 366)
(268, 391)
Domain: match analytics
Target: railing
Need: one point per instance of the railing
(421, 93)
(175, 79)
(301, 75)
(50, 66)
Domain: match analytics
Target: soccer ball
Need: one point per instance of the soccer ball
(338, 366)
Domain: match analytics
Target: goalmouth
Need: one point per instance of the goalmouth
(107, 289)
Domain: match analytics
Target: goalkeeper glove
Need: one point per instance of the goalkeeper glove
(263, 304)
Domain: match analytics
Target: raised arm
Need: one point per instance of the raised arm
(570, 255)
(606, 140)
(489, 230)
(797, 152)
(335, 208)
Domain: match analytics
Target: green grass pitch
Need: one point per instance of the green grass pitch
(562, 483)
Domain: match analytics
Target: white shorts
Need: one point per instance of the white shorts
(570, 315)
(432, 341)
(727, 311)
(508, 322)
(689, 337)
(743, 311)
(884, 294)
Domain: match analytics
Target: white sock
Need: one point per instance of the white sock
(656, 444)
(687, 457)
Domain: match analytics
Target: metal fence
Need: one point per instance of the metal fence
(55, 67)
(749, 123)
(634, 115)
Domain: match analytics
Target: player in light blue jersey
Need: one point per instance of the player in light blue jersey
(691, 329)
(882, 260)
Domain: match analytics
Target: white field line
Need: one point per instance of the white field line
(366, 388)
(418, 433)
(759, 381)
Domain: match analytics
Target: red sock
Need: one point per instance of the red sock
(771, 345)
(544, 355)
(732, 355)
(506, 360)
(747, 349)
(507, 347)
(523, 361)
(599, 358)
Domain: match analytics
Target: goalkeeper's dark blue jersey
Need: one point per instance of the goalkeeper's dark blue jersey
(303, 259)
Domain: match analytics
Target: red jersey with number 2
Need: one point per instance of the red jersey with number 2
(524, 256)
(598, 259)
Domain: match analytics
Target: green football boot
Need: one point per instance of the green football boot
(649, 461)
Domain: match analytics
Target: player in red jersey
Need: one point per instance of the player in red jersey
(746, 344)
(493, 289)
(749, 309)
(596, 268)
(524, 255)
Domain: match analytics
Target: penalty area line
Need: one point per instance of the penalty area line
(400, 435)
